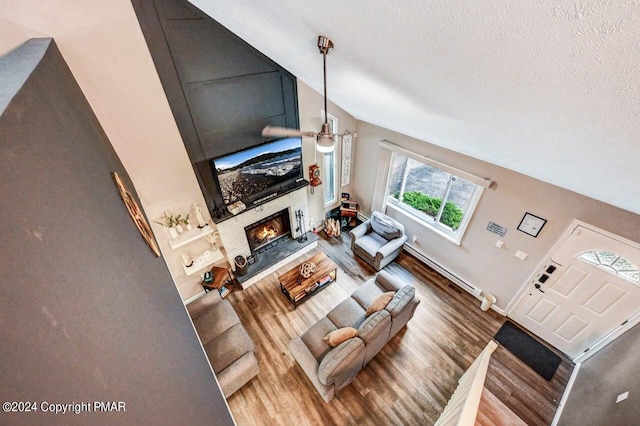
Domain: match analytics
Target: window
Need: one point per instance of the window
(329, 163)
(613, 264)
(441, 200)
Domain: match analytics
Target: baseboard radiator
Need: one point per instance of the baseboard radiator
(475, 291)
(462, 408)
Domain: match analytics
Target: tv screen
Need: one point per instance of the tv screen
(252, 172)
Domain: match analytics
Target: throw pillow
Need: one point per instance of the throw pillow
(340, 335)
(380, 302)
(385, 226)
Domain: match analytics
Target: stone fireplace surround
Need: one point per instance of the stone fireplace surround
(234, 239)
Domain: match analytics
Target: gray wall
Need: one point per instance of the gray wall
(610, 372)
(87, 312)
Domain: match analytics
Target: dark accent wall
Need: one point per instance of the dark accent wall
(87, 312)
(222, 91)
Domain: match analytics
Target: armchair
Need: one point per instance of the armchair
(378, 240)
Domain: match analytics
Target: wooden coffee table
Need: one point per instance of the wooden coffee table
(298, 289)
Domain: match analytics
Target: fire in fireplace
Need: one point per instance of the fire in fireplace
(268, 232)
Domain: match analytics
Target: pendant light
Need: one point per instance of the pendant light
(325, 140)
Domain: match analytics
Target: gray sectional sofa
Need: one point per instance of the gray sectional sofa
(227, 344)
(332, 368)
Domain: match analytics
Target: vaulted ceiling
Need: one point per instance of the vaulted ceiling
(547, 88)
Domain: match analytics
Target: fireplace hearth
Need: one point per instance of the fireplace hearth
(268, 232)
(275, 252)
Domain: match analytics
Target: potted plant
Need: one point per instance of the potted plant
(178, 219)
(184, 221)
(169, 221)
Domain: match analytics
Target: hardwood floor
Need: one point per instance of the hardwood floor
(409, 381)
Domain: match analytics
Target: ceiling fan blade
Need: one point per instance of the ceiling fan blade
(271, 132)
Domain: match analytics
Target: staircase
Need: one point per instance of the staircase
(462, 408)
(474, 405)
(493, 412)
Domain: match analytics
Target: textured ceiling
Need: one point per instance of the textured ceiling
(550, 89)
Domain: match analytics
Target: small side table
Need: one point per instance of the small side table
(221, 277)
(349, 214)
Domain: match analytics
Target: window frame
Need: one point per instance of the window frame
(433, 223)
(330, 183)
(610, 267)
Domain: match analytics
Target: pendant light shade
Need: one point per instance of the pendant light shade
(325, 141)
(324, 144)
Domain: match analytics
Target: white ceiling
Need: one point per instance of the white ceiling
(547, 88)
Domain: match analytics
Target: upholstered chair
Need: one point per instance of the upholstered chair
(378, 240)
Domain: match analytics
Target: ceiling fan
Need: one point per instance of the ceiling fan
(325, 140)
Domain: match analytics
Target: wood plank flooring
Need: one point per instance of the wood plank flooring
(409, 381)
(495, 413)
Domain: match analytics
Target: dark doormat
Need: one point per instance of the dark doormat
(533, 353)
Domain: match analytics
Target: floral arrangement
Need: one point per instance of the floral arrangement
(174, 223)
(168, 219)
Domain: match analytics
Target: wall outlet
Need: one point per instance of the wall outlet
(414, 239)
(521, 255)
(499, 243)
(622, 397)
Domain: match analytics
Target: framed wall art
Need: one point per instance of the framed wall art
(136, 214)
(531, 224)
(345, 176)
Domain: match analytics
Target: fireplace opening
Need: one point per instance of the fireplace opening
(268, 232)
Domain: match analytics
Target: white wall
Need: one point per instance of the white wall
(311, 104)
(477, 260)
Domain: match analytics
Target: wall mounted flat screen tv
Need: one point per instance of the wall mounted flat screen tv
(258, 171)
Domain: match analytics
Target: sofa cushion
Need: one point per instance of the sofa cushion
(370, 244)
(338, 336)
(343, 360)
(225, 349)
(374, 325)
(203, 304)
(313, 338)
(347, 314)
(215, 321)
(387, 227)
(389, 282)
(400, 300)
(233, 378)
(365, 294)
(379, 302)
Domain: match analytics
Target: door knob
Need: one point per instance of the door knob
(538, 287)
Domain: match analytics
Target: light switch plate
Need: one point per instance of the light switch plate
(622, 397)
(521, 255)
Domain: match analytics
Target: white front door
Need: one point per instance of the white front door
(590, 286)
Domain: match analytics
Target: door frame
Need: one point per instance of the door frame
(615, 333)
